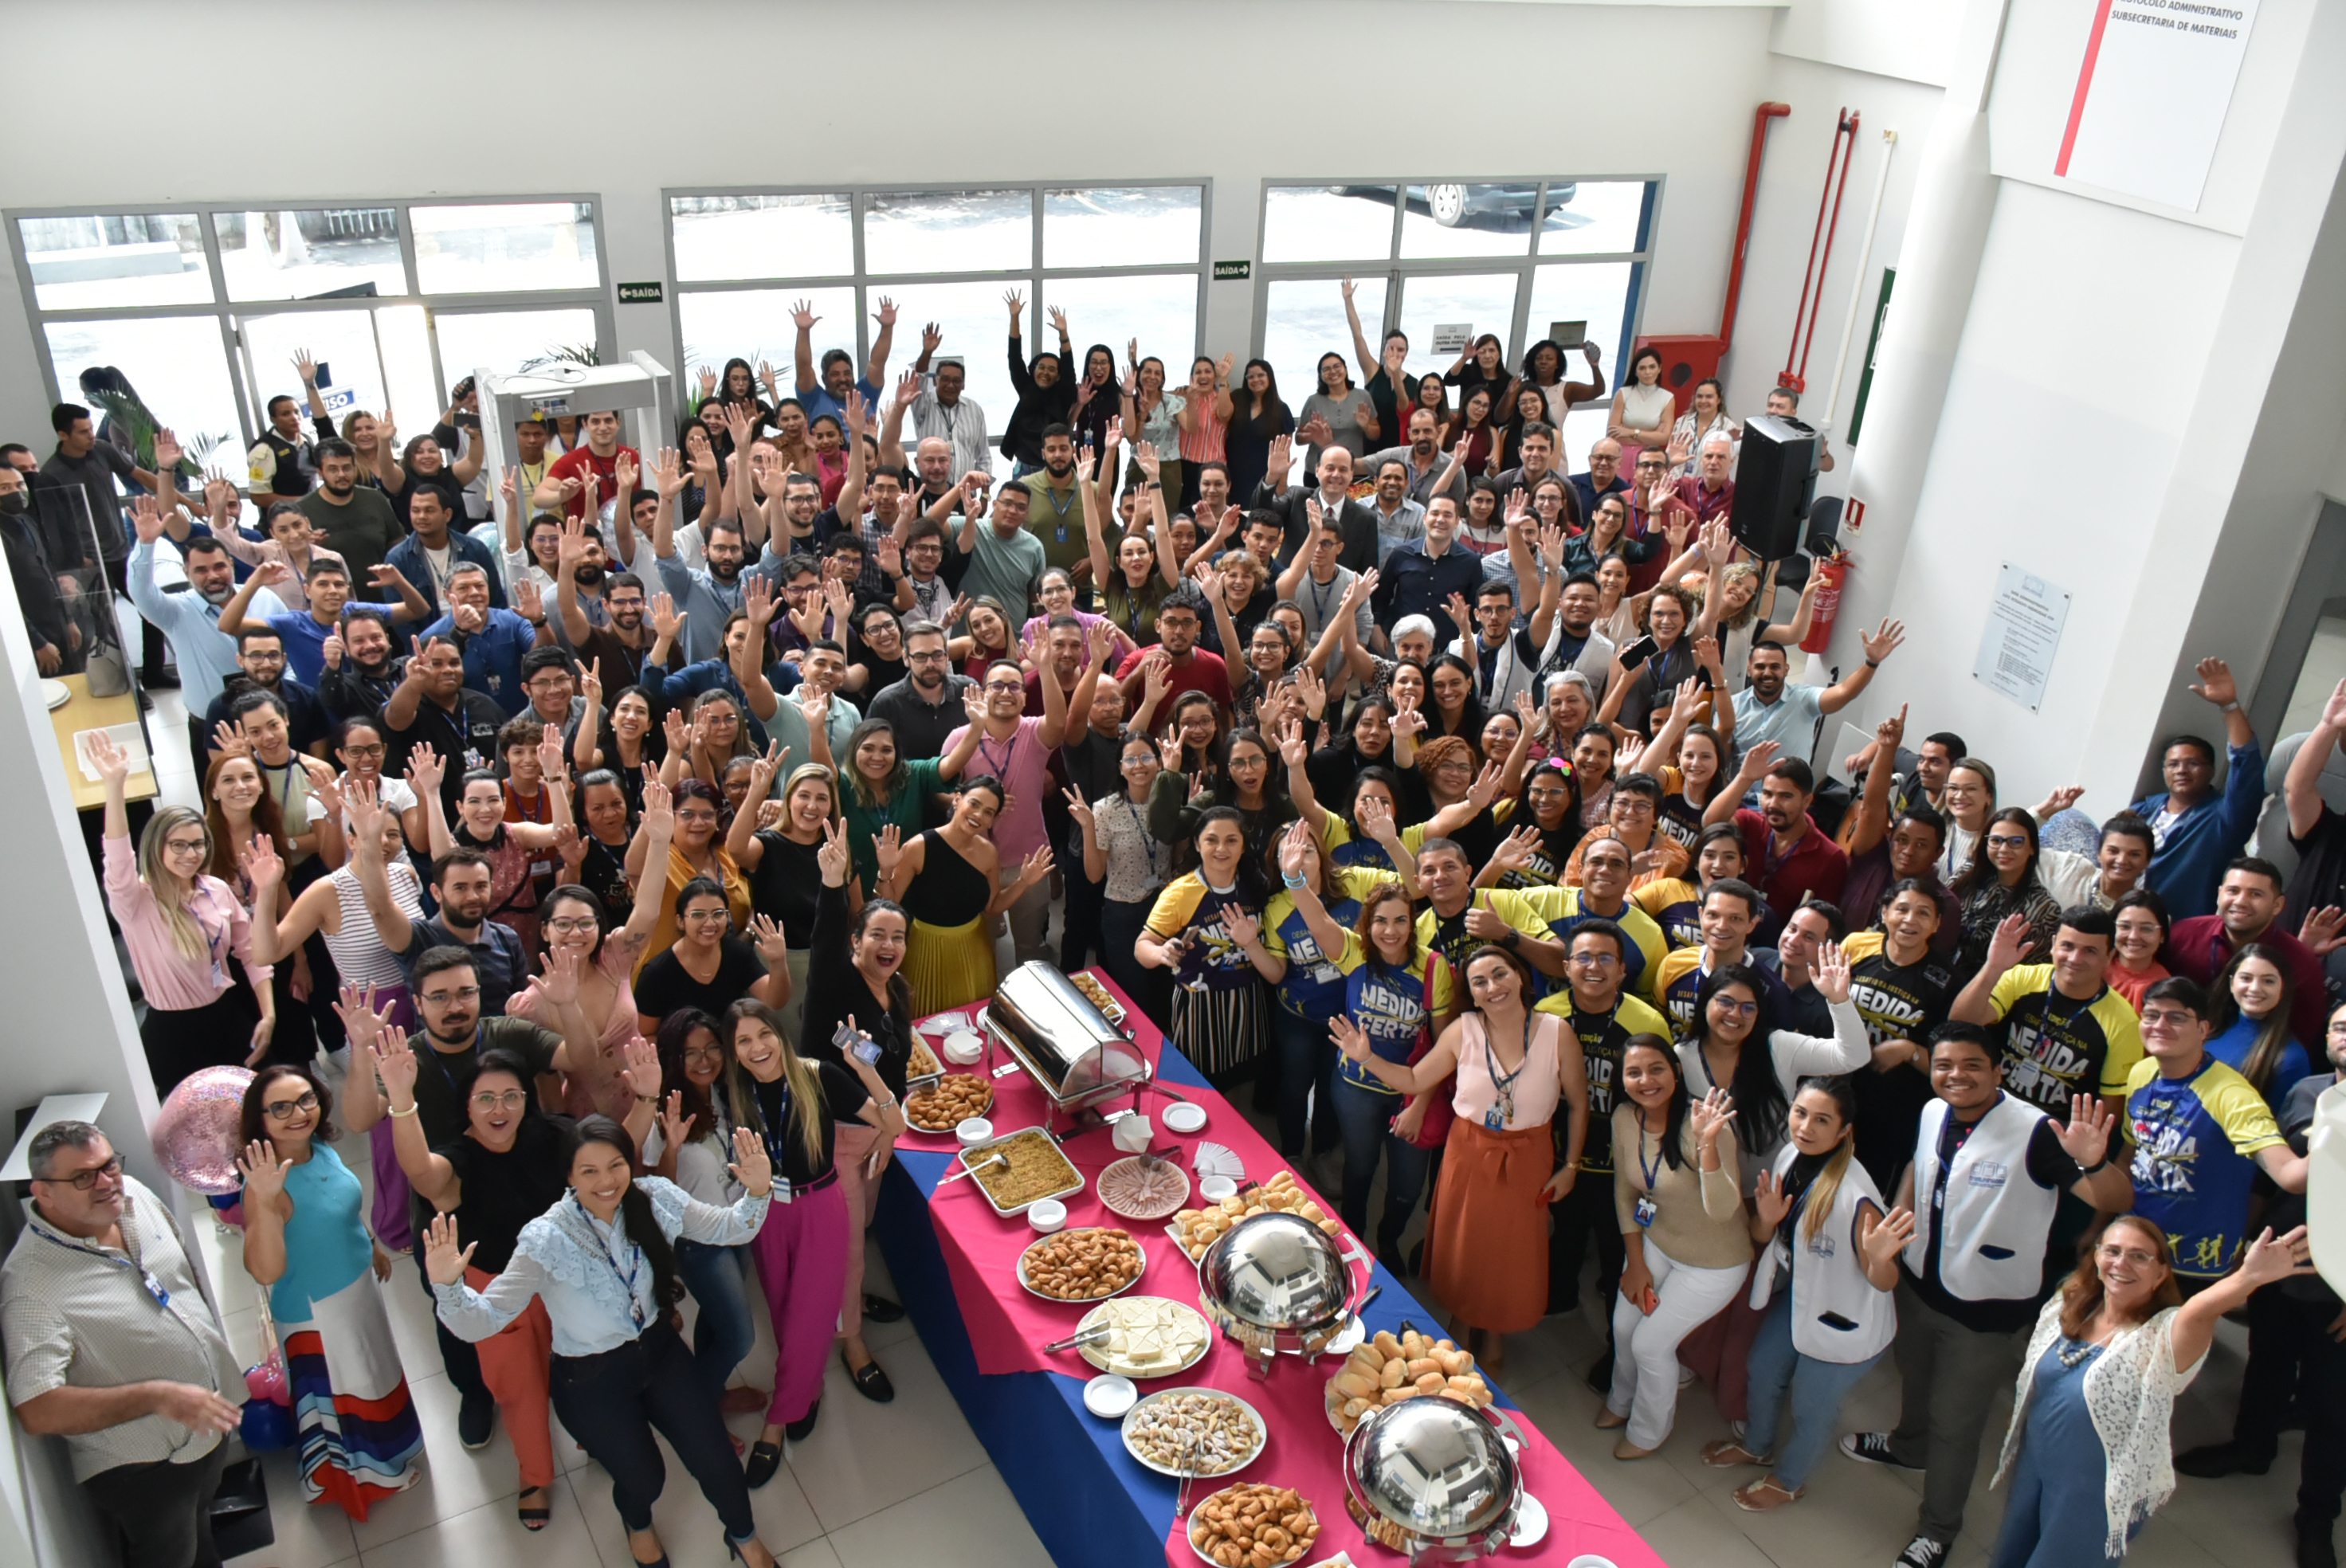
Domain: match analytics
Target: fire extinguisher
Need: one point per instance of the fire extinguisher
(1831, 573)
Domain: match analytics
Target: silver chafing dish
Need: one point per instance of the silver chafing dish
(1065, 1044)
(1434, 1479)
(1277, 1284)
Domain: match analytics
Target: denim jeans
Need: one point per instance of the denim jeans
(1307, 1073)
(1817, 1389)
(1365, 1118)
(718, 1279)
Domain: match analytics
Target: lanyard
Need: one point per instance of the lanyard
(635, 1262)
(154, 1286)
(1140, 829)
(1506, 1085)
(1652, 1173)
(1000, 765)
(1319, 596)
(285, 795)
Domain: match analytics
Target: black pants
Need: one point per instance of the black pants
(460, 1357)
(2289, 1338)
(162, 1510)
(1081, 936)
(612, 1403)
(1586, 1214)
(179, 1041)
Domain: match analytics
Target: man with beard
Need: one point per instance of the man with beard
(492, 640)
(431, 708)
(1015, 750)
(53, 632)
(207, 655)
(620, 645)
(931, 571)
(706, 596)
(1399, 518)
(1780, 840)
(1006, 562)
(260, 665)
(565, 481)
(829, 394)
(1054, 511)
(1192, 669)
(1334, 494)
(432, 556)
(925, 707)
(1430, 472)
(357, 524)
(1769, 709)
(362, 670)
(305, 631)
(1539, 443)
(1578, 643)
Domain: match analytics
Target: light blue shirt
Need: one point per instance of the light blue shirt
(596, 1283)
(207, 655)
(1791, 721)
(705, 602)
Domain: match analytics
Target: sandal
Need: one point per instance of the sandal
(1767, 1494)
(1726, 1454)
(534, 1518)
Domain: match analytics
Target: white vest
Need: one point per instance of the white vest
(1837, 1314)
(1994, 1219)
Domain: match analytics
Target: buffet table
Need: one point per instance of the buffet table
(1089, 1501)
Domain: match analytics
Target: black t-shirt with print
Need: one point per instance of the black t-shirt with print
(1898, 1002)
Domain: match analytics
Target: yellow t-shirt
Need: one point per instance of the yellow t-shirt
(2055, 1047)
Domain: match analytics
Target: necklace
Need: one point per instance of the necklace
(1505, 1083)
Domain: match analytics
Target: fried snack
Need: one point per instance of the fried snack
(1253, 1525)
(950, 1102)
(1197, 1228)
(1226, 1437)
(1387, 1369)
(1081, 1265)
(1377, 1527)
(1096, 994)
(1137, 1188)
(1034, 1167)
(924, 1061)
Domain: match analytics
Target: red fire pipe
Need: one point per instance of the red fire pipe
(1759, 119)
(1843, 151)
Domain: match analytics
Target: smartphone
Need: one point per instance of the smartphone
(846, 1039)
(1638, 652)
(325, 375)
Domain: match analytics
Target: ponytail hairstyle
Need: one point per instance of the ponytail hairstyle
(1827, 1187)
(798, 1073)
(635, 1206)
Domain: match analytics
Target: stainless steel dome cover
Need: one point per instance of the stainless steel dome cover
(1438, 1469)
(1277, 1271)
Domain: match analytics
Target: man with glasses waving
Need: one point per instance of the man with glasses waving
(113, 1346)
(456, 1027)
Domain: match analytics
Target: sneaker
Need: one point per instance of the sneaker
(1920, 1552)
(1873, 1448)
(2221, 1458)
(476, 1419)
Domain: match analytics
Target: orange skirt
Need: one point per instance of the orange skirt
(1488, 1259)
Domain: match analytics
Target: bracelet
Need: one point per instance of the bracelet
(2098, 1165)
(397, 1111)
(1873, 664)
(1156, 484)
(1291, 881)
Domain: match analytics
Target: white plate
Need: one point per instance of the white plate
(1531, 1529)
(1261, 1431)
(1182, 1118)
(1197, 1507)
(1099, 1357)
(945, 1023)
(56, 694)
(1110, 1396)
(1086, 1301)
(1142, 1218)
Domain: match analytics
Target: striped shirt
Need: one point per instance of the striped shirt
(171, 980)
(75, 1314)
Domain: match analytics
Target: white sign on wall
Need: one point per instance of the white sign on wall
(2151, 95)
(1452, 336)
(2024, 632)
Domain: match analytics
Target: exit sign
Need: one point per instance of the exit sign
(639, 293)
(1224, 272)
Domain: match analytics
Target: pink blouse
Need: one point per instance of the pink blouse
(619, 1029)
(1539, 1087)
(171, 980)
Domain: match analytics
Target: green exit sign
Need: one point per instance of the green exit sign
(639, 293)
(1225, 271)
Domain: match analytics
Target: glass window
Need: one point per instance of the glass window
(111, 259)
(505, 342)
(1599, 294)
(1476, 302)
(302, 255)
(1159, 313)
(1303, 318)
(517, 246)
(1102, 227)
(405, 335)
(1593, 218)
(1468, 220)
(756, 324)
(1328, 223)
(948, 231)
(976, 331)
(721, 238)
(176, 367)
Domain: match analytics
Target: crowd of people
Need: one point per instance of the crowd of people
(588, 837)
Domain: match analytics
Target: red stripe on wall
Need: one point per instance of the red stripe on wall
(2084, 85)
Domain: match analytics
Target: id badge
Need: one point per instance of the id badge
(1647, 1211)
(782, 1189)
(1493, 1120)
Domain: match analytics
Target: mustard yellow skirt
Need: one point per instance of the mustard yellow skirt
(949, 966)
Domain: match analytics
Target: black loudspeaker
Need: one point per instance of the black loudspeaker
(1824, 525)
(1774, 479)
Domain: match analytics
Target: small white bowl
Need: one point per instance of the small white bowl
(1108, 1395)
(1180, 1117)
(972, 1131)
(963, 1047)
(1214, 1188)
(1046, 1215)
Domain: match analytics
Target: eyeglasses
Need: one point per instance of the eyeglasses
(286, 1110)
(376, 750)
(184, 846)
(1006, 686)
(699, 917)
(442, 998)
(937, 656)
(1594, 961)
(709, 1053)
(2007, 840)
(2171, 1018)
(511, 1100)
(578, 925)
(2133, 1254)
(82, 1181)
(1736, 1009)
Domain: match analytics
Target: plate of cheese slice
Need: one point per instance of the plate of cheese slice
(1149, 1337)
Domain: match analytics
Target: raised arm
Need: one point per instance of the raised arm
(802, 315)
(2301, 789)
(1429, 1073)
(1872, 820)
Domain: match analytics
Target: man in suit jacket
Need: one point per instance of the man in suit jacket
(1357, 522)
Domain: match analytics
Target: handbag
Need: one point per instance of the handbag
(1436, 1130)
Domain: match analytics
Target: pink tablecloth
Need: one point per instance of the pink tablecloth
(1007, 1324)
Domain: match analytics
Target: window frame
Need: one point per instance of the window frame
(1033, 280)
(225, 311)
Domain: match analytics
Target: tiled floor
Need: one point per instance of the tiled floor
(906, 1485)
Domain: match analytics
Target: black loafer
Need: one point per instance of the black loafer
(869, 1381)
(765, 1458)
(799, 1430)
(880, 1309)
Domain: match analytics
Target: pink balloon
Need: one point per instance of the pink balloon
(195, 1134)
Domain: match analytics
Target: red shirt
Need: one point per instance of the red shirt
(579, 461)
(1816, 865)
(1204, 672)
(2200, 947)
